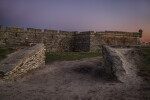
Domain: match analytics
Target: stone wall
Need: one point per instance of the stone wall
(113, 38)
(113, 63)
(67, 41)
(82, 41)
(22, 61)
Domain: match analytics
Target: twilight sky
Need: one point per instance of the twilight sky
(78, 15)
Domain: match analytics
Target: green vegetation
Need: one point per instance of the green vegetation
(60, 56)
(4, 51)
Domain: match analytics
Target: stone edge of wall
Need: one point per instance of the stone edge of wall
(34, 58)
(112, 63)
(130, 46)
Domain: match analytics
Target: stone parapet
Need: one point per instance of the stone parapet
(15, 29)
(50, 31)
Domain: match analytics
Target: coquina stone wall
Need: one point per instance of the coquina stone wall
(63, 41)
(82, 41)
(113, 38)
(112, 63)
(22, 61)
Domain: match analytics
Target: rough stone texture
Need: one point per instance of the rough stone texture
(67, 41)
(112, 62)
(1, 28)
(22, 61)
(82, 42)
(113, 38)
(14, 29)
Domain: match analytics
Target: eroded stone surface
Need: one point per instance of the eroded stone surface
(112, 62)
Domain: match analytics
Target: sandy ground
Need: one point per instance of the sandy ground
(73, 80)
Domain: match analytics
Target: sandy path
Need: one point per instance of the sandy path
(70, 80)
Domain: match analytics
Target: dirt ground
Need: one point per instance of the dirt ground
(72, 80)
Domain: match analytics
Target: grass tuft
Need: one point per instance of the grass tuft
(4, 51)
(61, 56)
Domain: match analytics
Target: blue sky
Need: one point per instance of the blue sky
(78, 15)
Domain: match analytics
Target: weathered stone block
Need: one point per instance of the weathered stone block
(31, 30)
(14, 29)
(38, 30)
(1, 28)
(20, 62)
(63, 32)
(112, 63)
(50, 31)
